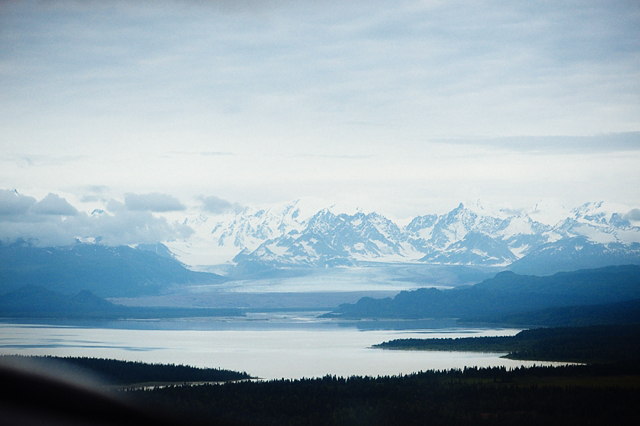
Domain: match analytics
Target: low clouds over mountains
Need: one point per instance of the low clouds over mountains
(53, 221)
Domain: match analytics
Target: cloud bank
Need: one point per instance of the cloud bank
(53, 205)
(14, 204)
(52, 221)
(216, 205)
(604, 143)
(633, 215)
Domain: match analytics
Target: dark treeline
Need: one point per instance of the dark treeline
(594, 394)
(603, 343)
(116, 372)
(128, 372)
(571, 395)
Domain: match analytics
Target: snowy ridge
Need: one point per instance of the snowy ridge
(219, 238)
(300, 234)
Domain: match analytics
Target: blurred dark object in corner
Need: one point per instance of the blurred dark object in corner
(31, 395)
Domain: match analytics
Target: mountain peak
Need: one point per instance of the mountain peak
(475, 232)
(484, 208)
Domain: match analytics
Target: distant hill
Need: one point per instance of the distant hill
(505, 294)
(627, 312)
(104, 271)
(38, 302)
(32, 300)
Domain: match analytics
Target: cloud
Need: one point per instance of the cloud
(633, 215)
(204, 153)
(216, 153)
(115, 206)
(54, 222)
(122, 228)
(216, 205)
(90, 198)
(12, 203)
(134, 227)
(97, 193)
(612, 142)
(154, 202)
(337, 157)
(382, 79)
(52, 204)
(35, 160)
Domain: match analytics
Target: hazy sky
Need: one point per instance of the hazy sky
(406, 107)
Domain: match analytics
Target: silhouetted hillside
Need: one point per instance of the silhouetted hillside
(610, 313)
(105, 271)
(506, 293)
(38, 302)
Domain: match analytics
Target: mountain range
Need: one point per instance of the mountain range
(542, 240)
(295, 238)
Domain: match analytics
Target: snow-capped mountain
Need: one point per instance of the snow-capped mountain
(219, 238)
(599, 224)
(476, 235)
(300, 234)
(594, 235)
(331, 240)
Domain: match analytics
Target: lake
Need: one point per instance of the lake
(269, 346)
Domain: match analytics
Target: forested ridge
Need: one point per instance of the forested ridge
(117, 372)
(131, 372)
(601, 343)
(508, 295)
(592, 394)
(571, 395)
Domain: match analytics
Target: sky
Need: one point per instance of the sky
(406, 107)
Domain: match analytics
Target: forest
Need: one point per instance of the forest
(600, 343)
(121, 374)
(569, 395)
(596, 393)
(603, 390)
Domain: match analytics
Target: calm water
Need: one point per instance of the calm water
(268, 346)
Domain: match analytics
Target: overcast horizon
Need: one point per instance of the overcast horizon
(406, 108)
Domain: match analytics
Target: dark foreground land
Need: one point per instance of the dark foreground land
(595, 394)
(603, 391)
(570, 395)
(55, 391)
(597, 343)
(119, 374)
